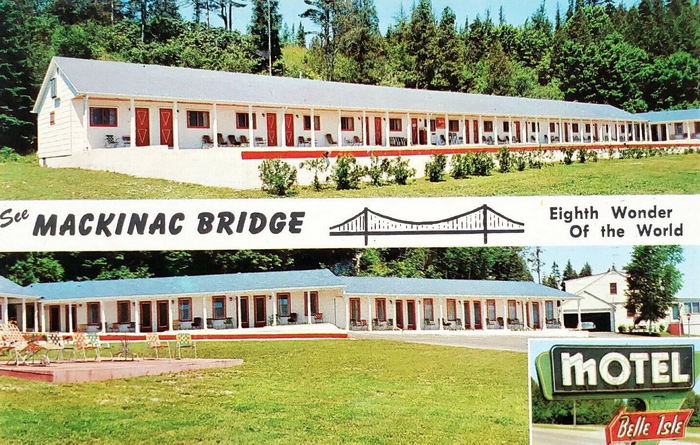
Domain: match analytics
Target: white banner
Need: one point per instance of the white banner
(348, 223)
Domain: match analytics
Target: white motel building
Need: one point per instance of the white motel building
(263, 302)
(215, 128)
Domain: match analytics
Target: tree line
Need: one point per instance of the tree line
(642, 57)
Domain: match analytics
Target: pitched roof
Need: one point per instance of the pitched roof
(391, 286)
(671, 115)
(119, 79)
(10, 288)
(240, 282)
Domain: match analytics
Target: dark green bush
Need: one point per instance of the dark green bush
(8, 155)
(317, 166)
(520, 159)
(347, 173)
(582, 154)
(505, 160)
(461, 165)
(535, 159)
(378, 168)
(435, 168)
(277, 176)
(401, 171)
(483, 164)
(568, 155)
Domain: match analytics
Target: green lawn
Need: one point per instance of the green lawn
(342, 391)
(676, 174)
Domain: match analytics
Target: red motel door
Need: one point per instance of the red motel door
(367, 131)
(143, 129)
(517, 131)
(466, 131)
(477, 137)
(399, 314)
(166, 126)
(566, 132)
(271, 130)
(377, 131)
(289, 130)
(414, 131)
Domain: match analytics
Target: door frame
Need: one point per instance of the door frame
(271, 118)
(246, 323)
(148, 126)
(159, 326)
(255, 311)
(146, 328)
(476, 307)
(170, 141)
(535, 308)
(54, 318)
(289, 130)
(409, 326)
(378, 131)
(466, 304)
(398, 310)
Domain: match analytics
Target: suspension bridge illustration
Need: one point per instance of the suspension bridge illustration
(482, 220)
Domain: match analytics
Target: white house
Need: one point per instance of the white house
(263, 299)
(215, 128)
(673, 125)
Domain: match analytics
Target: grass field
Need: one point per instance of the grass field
(343, 391)
(674, 174)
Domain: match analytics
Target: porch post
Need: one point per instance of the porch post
(544, 315)
(482, 307)
(561, 131)
(495, 131)
(205, 325)
(137, 318)
(548, 132)
(668, 131)
(5, 310)
(313, 129)
(409, 130)
(346, 301)
(70, 317)
(560, 315)
(581, 131)
(132, 123)
(441, 315)
(176, 128)
(462, 314)
(505, 315)
(388, 129)
(369, 312)
(404, 308)
(236, 301)
(447, 129)
(251, 127)
(419, 315)
(340, 129)
(481, 131)
(274, 297)
(36, 316)
(688, 130)
(578, 313)
(364, 128)
(103, 319)
(43, 318)
(537, 131)
(24, 314)
(170, 315)
(464, 130)
(510, 130)
(429, 131)
(215, 126)
(86, 121)
(308, 308)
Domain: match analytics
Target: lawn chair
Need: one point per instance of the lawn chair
(14, 343)
(126, 141)
(260, 142)
(318, 317)
(94, 343)
(304, 142)
(80, 344)
(356, 140)
(293, 317)
(228, 323)
(184, 340)
(54, 342)
(428, 323)
(153, 342)
(329, 139)
(110, 142)
(244, 141)
(232, 141)
(207, 142)
(220, 140)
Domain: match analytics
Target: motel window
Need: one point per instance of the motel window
(697, 127)
(574, 128)
(394, 124)
(103, 117)
(454, 125)
(380, 304)
(451, 309)
(317, 123)
(552, 127)
(123, 312)
(491, 310)
(678, 128)
(197, 119)
(506, 126)
(218, 307)
(52, 88)
(428, 311)
(347, 124)
(283, 305)
(243, 121)
(675, 312)
(184, 309)
(93, 313)
(314, 303)
(52, 118)
(588, 128)
(488, 126)
(692, 307)
(613, 288)
(355, 311)
(549, 310)
(512, 312)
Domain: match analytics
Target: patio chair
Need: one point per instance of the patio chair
(14, 342)
(184, 340)
(197, 323)
(110, 142)
(489, 140)
(318, 317)
(228, 323)
(428, 323)
(244, 141)
(260, 142)
(329, 139)
(79, 344)
(126, 141)
(207, 142)
(293, 317)
(220, 140)
(446, 324)
(210, 323)
(54, 342)
(499, 320)
(304, 142)
(458, 324)
(491, 324)
(97, 345)
(390, 325)
(177, 325)
(503, 140)
(232, 141)
(356, 140)
(153, 342)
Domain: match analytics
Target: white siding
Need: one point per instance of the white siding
(56, 140)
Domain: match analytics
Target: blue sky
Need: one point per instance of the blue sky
(516, 11)
(602, 257)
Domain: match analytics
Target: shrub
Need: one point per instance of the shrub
(482, 164)
(505, 160)
(347, 173)
(435, 168)
(461, 166)
(8, 155)
(582, 153)
(593, 155)
(401, 171)
(317, 166)
(568, 155)
(377, 169)
(521, 160)
(277, 176)
(535, 159)
(622, 329)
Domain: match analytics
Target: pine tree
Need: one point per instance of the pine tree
(267, 44)
(569, 272)
(167, 9)
(450, 58)
(586, 270)
(225, 11)
(361, 42)
(326, 14)
(554, 277)
(421, 37)
(499, 77)
(16, 122)
(301, 36)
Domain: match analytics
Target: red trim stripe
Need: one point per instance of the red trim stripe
(142, 337)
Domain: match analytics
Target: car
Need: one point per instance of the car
(587, 325)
